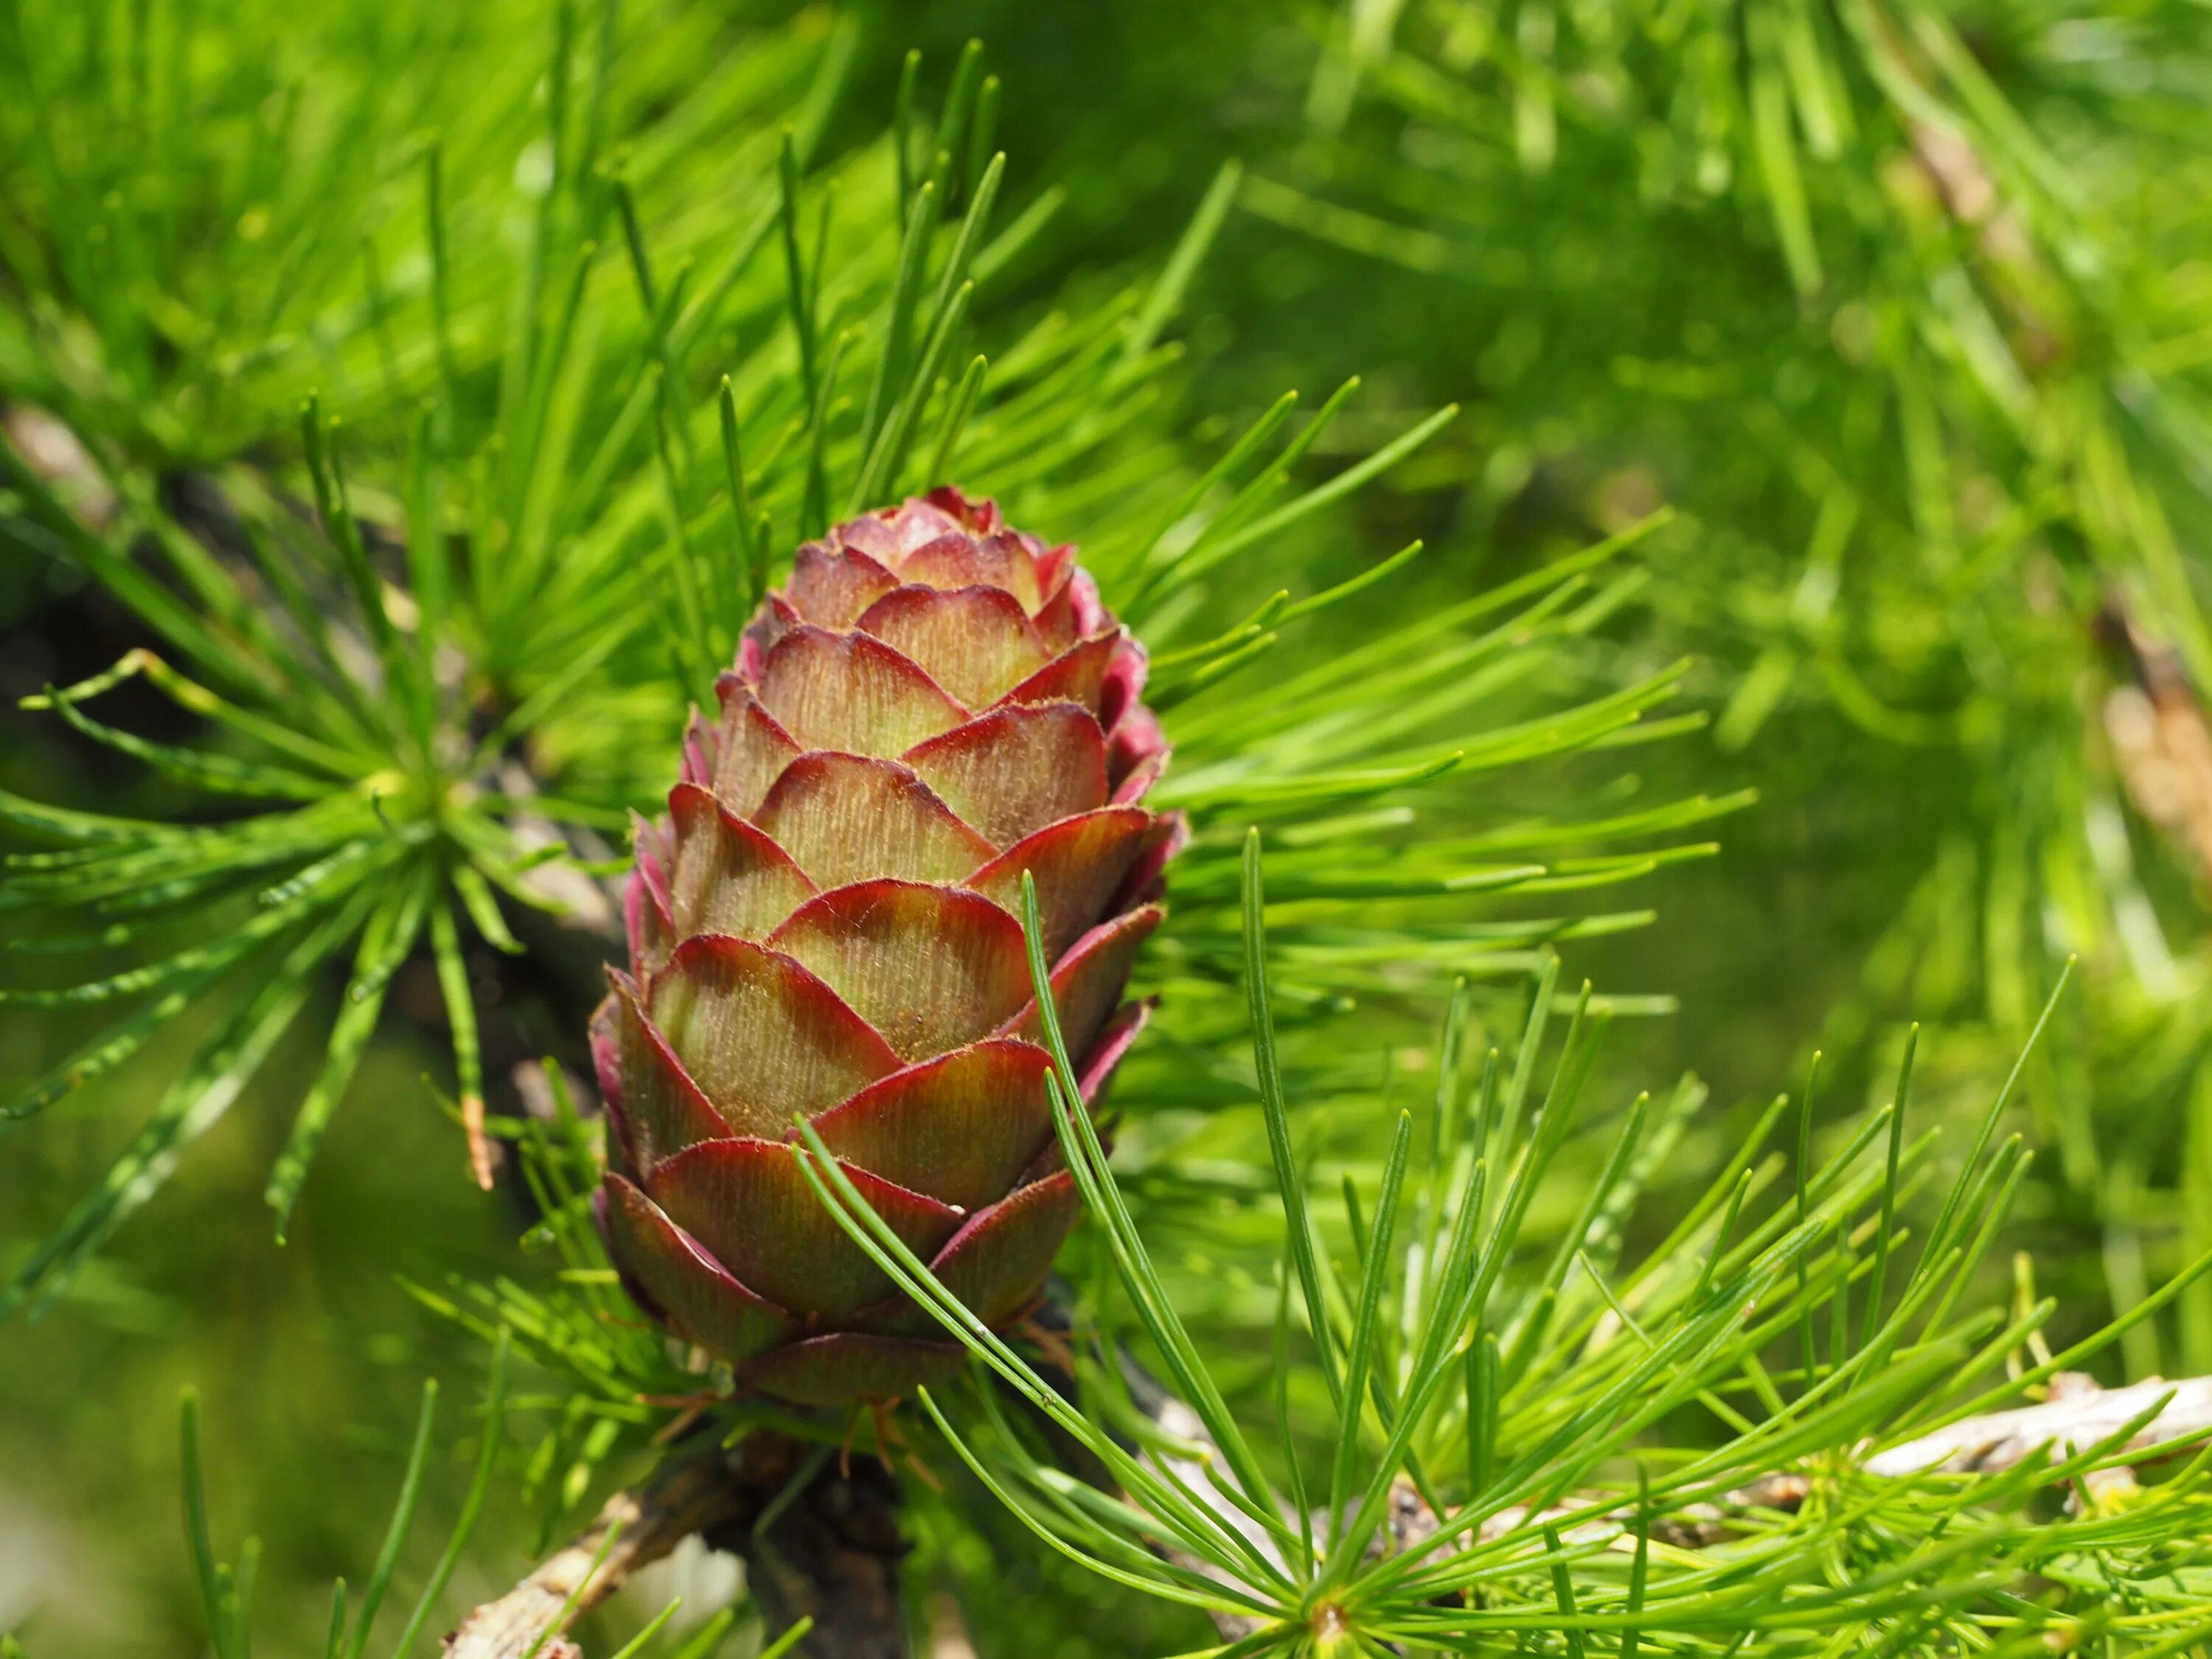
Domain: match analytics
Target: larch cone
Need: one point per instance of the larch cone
(826, 924)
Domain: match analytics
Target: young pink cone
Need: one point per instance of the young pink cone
(826, 924)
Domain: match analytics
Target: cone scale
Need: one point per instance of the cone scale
(825, 924)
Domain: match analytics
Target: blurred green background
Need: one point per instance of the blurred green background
(1904, 311)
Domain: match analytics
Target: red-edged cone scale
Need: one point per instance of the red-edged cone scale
(826, 924)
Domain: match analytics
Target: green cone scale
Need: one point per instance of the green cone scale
(826, 924)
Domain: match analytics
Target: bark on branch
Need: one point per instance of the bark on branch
(2078, 1415)
(833, 1553)
(644, 1526)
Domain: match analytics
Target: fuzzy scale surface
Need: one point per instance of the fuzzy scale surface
(825, 924)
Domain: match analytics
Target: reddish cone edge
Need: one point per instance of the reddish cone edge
(826, 923)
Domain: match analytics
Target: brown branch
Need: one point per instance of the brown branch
(644, 1526)
(832, 1554)
(2078, 1415)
